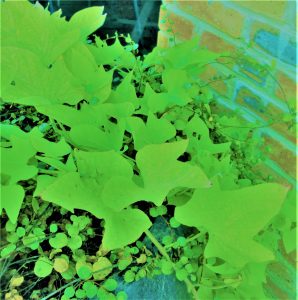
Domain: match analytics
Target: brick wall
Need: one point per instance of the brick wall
(264, 85)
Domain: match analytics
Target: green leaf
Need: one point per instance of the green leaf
(161, 171)
(95, 81)
(9, 226)
(119, 192)
(124, 262)
(7, 250)
(46, 88)
(16, 163)
(122, 295)
(74, 191)
(48, 148)
(95, 168)
(43, 267)
(166, 267)
(181, 274)
(32, 240)
(81, 294)
(239, 215)
(289, 240)
(61, 264)
(88, 20)
(43, 181)
(59, 241)
(69, 273)
(89, 137)
(34, 28)
(175, 81)
(90, 288)
(75, 242)
(102, 268)
(12, 197)
(110, 284)
(69, 115)
(155, 131)
(196, 126)
(114, 55)
(84, 272)
(69, 291)
(174, 223)
(253, 285)
(154, 102)
(124, 227)
(53, 228)
(21, 231)
(129, 276)
(175, 58)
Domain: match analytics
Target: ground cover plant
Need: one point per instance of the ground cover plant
(99, 143)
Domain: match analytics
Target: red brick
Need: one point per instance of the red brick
(162, 41)
(256, 27)
(266, 171)
(168, 1)
(256, 105)
(282, 156)
(283, 129)
(252, 69)
(218, 85)
(276, 291)
(289, 87)
(215, 43)
(290, 257)
(216, 14)
(181, 28)
(250, 100)
(267, 112)
(274, 9)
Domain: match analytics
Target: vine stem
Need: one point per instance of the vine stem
(61, 289)
(163, 251)
(187, 239)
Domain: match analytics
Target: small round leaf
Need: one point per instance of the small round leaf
(61, 264)
(43, 267)
(69, 291)
(102, 268)
(110, 284)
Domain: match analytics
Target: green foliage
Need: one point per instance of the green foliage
(110, 131)
(230, 209)
(110, 284)
(43, 267)
(59, 241)
(129, 276)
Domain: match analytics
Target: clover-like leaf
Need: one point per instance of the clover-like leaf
(43, 267)
(59, 241)
(102, 268)
(61, 264)
(84, 271)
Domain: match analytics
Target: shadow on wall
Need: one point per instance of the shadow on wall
(139, 18)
